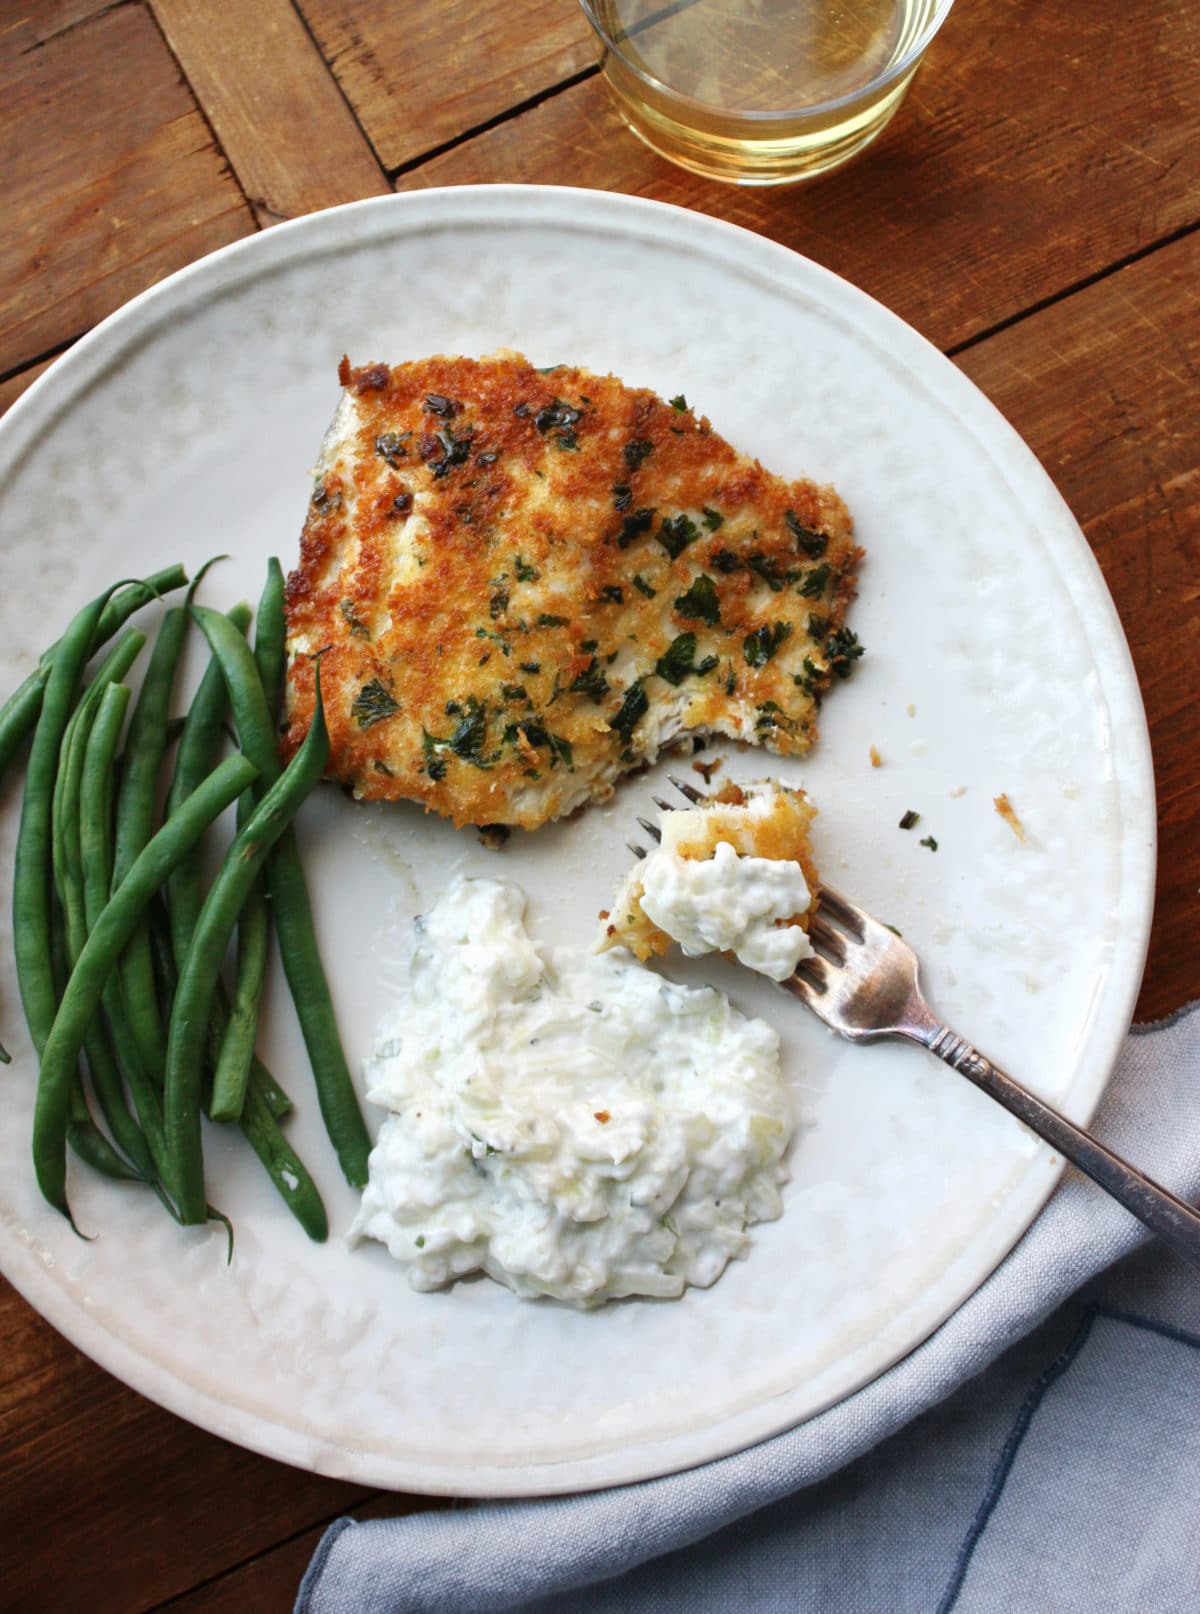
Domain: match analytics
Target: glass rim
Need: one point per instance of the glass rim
(897, 69)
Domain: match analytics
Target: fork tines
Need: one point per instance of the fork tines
(842, 912)
(826, 940)
(696, 797)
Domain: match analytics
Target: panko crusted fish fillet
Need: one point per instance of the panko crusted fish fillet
(528, 582)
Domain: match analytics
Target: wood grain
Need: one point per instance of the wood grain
(1030, 155)
(419, 75)
(289, 135)
(268, 1583)
(105, 190)
(1103, 387)
(1041, 149)
(24, 30)
(118, 1505)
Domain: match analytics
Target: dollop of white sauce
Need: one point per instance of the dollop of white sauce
(729, 904)
(584, 1132)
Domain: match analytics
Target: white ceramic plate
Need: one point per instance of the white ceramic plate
(186, 425)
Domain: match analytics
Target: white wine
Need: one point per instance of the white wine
(761, 92)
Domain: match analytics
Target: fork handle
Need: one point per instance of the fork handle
(1171, 1218)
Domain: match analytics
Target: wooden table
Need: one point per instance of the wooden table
(1033, 210)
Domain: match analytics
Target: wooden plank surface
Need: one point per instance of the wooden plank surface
(1029, 156)
(106, 190)
(25, 28)
(419, 75)
(290, 136)
(1029, 209)
(267, 1584)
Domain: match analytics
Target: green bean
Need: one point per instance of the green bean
(60, 1050)
(273, 1096)
(287, 1171)
(172, 730)
(203, 731)
(84, 1136)
(32, 876)
(244, 687)
(66, 789)
(92, 1147)
(58, 858)
(194, 761)
(106, 1077)
(198, 977)
(164, 954)
(232, 1070)
(122, 606)
(270, 631)
(68, 868)
(261, 1079)
(165, 979)
(265, 1102)
(20, 711)
(145, 745)
(96, 802)
(147, 739)
(254, 923)
(95, 843)
(74, 745)
(5, 1056)
(292, 911)
(127, 1133)
(116, 663)
(204, 724)
(111, 671)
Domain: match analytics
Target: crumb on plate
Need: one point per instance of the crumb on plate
(1008, 813)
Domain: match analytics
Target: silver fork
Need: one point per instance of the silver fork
(864, 985)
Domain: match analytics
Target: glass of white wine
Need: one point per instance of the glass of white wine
(761, 92)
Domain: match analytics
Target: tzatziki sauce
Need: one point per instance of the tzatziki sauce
(584, 1131)
(729, 904)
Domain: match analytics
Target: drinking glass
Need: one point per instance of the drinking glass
(761, 92)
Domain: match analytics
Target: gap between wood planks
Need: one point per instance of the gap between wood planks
(205, 119)
(39, 359)
(278, 115)
(1043, 303)
(180, 1599)
(101, 9)
(231, 1580)
(488, 124)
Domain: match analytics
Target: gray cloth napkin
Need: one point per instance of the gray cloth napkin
(1040, 1452)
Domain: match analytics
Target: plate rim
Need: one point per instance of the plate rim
(549, 206)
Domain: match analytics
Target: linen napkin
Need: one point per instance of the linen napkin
(1039, 1452)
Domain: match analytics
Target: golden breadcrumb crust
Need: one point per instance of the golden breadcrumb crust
(526, 583)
